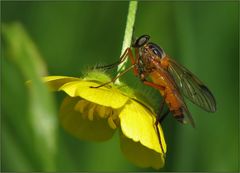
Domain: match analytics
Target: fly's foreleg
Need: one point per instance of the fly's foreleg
(115, 78)
(127, 54)
(121, 59)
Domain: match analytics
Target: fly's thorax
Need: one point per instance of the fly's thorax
(165, 62)
(143, 63)
(158, 78)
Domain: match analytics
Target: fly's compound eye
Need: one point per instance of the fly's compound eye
(141, 41)
(156, 50)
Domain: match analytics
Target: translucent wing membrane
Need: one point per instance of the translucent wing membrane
(192, 87)
(186, 117)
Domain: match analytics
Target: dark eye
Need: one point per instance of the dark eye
(141, 41)
(156, 50)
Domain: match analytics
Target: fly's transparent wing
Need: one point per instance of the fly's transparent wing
(192, 87)
(186, 117)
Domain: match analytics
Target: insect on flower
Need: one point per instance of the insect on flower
(171, 79)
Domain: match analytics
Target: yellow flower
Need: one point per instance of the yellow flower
(95, 113)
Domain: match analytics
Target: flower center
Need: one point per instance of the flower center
(93, 111)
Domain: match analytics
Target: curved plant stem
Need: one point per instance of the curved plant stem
(128, 32)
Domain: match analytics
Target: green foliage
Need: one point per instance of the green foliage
(41, 113)
(203, 36)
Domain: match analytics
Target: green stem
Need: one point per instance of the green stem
(128, 32)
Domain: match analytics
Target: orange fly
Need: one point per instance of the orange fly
(171, 79)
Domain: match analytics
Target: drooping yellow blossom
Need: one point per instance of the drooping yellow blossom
(95, 113)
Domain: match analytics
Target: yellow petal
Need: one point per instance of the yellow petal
(75, 124)
(140, 155)
(55, 82)
(105, 96)
(137, 124)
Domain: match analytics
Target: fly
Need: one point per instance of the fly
(171, 79)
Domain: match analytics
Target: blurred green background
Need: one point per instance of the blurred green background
(70, 36)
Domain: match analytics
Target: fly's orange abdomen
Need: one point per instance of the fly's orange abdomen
(171, 99)
(168, 93)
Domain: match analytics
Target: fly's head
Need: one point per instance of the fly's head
(150, 54)
(147, 48)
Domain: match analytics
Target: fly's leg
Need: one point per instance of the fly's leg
(121, 59)
(158, 118)
(115, 78)
(151, 84)
(156, 125)
(159, 87)
(161, 118)
(127, 53)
